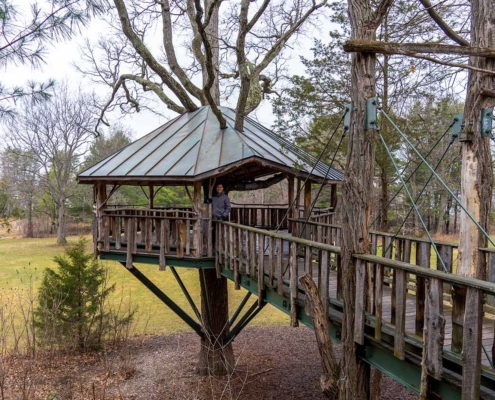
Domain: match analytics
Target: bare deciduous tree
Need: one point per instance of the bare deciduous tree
(55, 134)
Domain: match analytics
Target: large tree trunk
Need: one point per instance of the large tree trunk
(356, 194)
(214, 358)
(476, 183)
(61, 233)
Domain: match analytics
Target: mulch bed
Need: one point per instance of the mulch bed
(272, 363)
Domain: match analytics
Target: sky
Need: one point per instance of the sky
(59, 64)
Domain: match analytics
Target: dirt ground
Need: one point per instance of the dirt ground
(272, 363)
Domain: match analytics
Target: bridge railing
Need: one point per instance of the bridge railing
(153, 231)
(272, 215)
(276, 261)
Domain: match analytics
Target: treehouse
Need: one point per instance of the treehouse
(192, 151)
(401, 323)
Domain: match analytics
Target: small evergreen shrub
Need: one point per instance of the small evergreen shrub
(72, 302)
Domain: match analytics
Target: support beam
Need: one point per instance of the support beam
(165, 299)
(290, 200)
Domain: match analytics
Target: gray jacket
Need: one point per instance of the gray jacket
(220, 206)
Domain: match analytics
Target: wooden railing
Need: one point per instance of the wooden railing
(162, 232)
(276, 261)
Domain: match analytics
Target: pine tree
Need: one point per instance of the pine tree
(71, 305)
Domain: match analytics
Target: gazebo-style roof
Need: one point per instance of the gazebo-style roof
(192, 147)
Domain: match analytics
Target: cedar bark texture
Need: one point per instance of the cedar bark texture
(357, 185)
(476, 191)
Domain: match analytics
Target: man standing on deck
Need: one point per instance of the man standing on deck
(220, 204)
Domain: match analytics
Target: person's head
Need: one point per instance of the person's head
(219, 189)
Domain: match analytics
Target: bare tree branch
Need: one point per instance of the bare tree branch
(381, 11)
(171, 57)
(442, 24)
(144, 52)
(208, 60)
(372, 46)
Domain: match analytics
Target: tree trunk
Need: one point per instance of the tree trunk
(212, 32)
(442, 206)
(356, 193)
(476, 184)
(61, 234)
(215, 358)
(30, 232)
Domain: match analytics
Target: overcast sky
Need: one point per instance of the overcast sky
(59, 64)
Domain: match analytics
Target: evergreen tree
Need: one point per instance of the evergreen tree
(71, 306)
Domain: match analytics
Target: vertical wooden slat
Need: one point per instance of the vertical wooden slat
(131, 223)
(490, 277)
(398, 257)
(187, 223)
(423, 260)
(166, 234)
(149, 234)
(308, 267)
(106, 233)
(271, 260)
(338, 261)
(163, 245)
(372, 277)
(434, 327)
(235, 257)
(230, 251)
(252, 252)
(179, 238)
(240, 252)
(325, 278)
(248, 253)
(280, 261)
(261, 270)
(293, 284)
(118, 232)
(400, 313)
(359, 318)
(471, 347)
(378, 300)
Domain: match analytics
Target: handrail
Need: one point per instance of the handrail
(416, 239)
(113, 210)
(387, 262)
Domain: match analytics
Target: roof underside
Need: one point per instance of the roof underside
(192, 147)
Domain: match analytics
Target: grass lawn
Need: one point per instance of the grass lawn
(24, 261)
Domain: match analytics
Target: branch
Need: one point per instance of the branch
(208, 61)
(381, 11)
(196, 41)
(279, 44)
(146, 83)
(168, 44)
(442, 24)
(144, 52)
(370, 46)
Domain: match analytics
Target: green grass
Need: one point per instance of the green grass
(24, 261)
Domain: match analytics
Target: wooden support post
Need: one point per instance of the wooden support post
(280, 262)
(434, 327)
(293, 284)
(163, 247)
(261, 268)
(101, 196)
(197, 236)
(423, 251)
(271, 261)
(359, 319)
(307, 205)
(151, 197)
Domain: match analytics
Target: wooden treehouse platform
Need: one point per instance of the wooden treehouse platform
(406, 290)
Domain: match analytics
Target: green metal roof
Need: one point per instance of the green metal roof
(192, 147)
